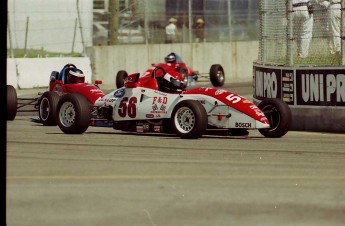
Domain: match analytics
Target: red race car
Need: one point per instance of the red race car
(69, 80)
(173, 62)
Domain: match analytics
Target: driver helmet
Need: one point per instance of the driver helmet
(173, 81)
(170, 58)
(75, 75)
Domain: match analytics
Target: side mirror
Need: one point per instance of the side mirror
(98, 82)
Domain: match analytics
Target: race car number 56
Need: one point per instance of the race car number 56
(128, 107)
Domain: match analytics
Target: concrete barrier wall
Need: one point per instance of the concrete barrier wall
(236, 58)
(103, 62)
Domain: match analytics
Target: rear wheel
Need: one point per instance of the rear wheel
(120, 78)
(279, 116)
(73, 114)
(217, 75)
(12, 102)
(189, 119)
(47, 108)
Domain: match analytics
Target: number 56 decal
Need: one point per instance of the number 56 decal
(128, 107)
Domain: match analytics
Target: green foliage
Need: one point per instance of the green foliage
(38, 53)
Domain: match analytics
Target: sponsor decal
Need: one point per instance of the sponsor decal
(267, 83)
(150, 116)
(95, 90)
(159, 100)
(157, 129)
(219, 91)
(160, 93)
(140, 129)
(158, 110)
(288, 86)
(243, 125)
(120, 92)
(108, 100)
(320, 87)
(258, 112)
(159, 105)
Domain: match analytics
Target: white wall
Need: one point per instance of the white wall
(35, 72)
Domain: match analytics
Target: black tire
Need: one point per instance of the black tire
(120, 78)
(48, 108)
(12, 103)
(73, 114)
(183, 72)
(189, 119)
(217, 75)
(279, 116)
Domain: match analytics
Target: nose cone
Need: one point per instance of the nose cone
(263, 124)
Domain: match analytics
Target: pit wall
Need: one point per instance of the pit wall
(316, 95)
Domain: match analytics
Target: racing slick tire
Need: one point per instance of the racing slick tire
(217, 75)
(279, 116)
(47, 108)
(120, 78)
(73, 114)
(189, 119)
(12, 102)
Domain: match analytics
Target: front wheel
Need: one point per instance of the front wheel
(12, 102)
(279, 116)
(189, 119)
(73, 114)
(217, 75)
(47, 108)
(121, 76)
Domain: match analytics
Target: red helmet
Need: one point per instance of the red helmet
(75, 75)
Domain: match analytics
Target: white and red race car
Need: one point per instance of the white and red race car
(152, 104)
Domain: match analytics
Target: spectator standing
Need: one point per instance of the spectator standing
(199, 30)
(171, 33)
(303, 26)
(333, 17)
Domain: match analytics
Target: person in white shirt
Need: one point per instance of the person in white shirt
(333, 17)
(303, 26)
(171, 32)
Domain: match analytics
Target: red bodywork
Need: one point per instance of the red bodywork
(90, 91)
(170, 67)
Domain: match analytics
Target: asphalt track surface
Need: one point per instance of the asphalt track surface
(109, 177)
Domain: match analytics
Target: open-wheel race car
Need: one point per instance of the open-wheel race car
(161, 104)
(173, 62)
(69, 80)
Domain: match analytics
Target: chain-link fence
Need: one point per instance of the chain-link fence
(196, 21)
(301, 32)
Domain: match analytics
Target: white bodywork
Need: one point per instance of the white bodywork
(148, 104)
